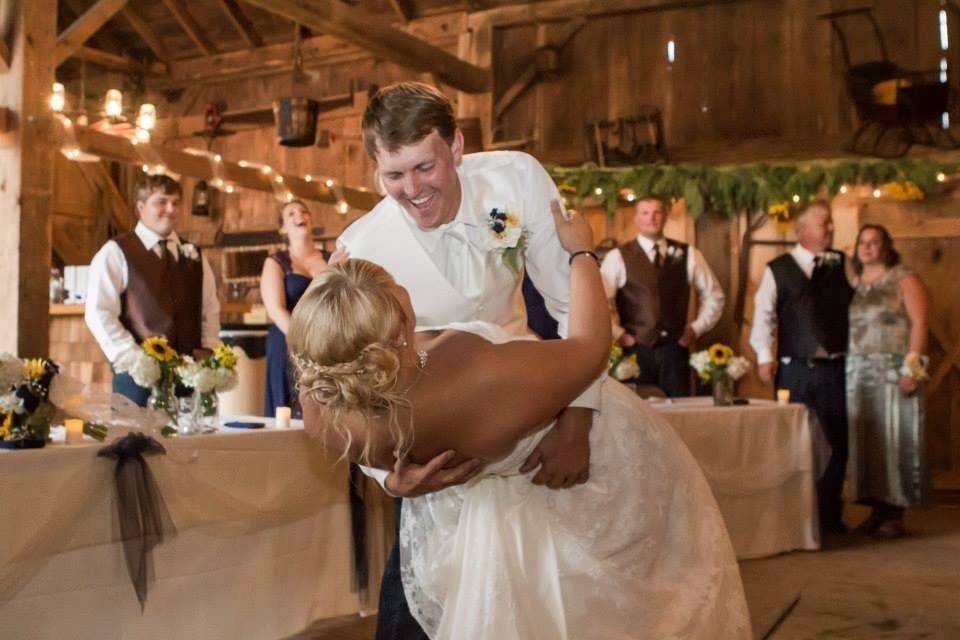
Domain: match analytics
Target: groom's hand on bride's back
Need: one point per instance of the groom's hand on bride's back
(409, 480)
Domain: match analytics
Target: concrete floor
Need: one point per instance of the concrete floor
(862, 589)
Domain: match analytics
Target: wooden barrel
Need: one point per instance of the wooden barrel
(296, 120)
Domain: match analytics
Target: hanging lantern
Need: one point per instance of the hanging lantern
(296, 121)
(201, 199)
(147, 117)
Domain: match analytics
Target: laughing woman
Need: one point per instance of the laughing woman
(286, 275)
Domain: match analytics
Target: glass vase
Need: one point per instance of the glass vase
(162, 399)
(206, 411)
(722, 390)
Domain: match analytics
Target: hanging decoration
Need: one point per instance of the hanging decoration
(728, 189)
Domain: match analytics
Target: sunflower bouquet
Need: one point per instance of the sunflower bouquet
(719, 361)
(208, 376)
(154, 365)
(622, 367)
(25, 407)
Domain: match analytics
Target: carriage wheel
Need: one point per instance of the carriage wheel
(893, 141)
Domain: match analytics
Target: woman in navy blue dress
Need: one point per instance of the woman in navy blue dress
(286, 275)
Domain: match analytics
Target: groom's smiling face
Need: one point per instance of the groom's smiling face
(422, 177)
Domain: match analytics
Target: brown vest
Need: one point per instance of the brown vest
(653, 302)
(157, 303)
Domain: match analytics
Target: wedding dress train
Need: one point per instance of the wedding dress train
(639, 551)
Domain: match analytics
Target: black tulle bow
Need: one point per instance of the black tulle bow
(144, 519)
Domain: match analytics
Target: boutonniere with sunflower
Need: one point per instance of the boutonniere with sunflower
(506, 236)
(189, 251)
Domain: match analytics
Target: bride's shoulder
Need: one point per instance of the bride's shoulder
(486, 330)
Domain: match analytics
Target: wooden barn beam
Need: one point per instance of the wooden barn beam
(190, 26)
(119, 63)
(120, 149)
(85, 26)
(4, 57)
(103, 39)
(241, 23)
(146, 32)
(403, 8)
(381, 39)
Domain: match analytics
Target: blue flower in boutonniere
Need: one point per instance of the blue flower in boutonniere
(506, 236)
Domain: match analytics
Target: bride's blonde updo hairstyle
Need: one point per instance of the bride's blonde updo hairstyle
(344, 344)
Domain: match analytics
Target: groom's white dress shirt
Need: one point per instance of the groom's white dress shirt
(453, 273)
(108, 281)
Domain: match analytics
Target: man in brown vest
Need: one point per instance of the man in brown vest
(648, 282)
(147, 282)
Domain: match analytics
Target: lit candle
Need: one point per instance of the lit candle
(783, 396)
(283, 418)
(74, 430)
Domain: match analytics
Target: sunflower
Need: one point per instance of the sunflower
(157, 347)
(7, 423)
(225, 355)
(719, 354)
(34, 368)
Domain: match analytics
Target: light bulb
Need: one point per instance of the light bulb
(147, 118)
(113, 104)
(329, 182)
(598, 191)
(941, 177)
(796, 198)
(58, 97)
(843, 189)
(343, 208)
(308, 178)
(876, 193)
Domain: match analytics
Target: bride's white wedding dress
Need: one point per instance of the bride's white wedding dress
(639, 551)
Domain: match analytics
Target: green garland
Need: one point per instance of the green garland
(729, 189)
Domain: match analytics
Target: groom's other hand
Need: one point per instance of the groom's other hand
(409, 480)
(563, 455)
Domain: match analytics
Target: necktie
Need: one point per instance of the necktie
(164, 254)
(657, 257)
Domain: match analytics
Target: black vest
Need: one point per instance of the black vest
(812, 312)
(654, 302)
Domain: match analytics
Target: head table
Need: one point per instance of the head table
(263, 546)
(761, 460)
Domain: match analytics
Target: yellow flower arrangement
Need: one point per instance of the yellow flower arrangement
(719, 354)
(225, 355)
(902, 190)
(7, 423)
(779, 209)
(34, 368)
(157, 347)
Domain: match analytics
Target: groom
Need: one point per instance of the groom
(459, 231)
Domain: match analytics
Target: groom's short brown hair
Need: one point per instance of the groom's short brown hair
(405, 113)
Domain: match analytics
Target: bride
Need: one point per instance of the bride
(638, 551)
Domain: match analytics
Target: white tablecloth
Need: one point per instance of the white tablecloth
(759, 461)
(263, 548)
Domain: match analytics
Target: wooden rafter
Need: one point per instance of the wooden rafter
(4, 57)
(374, 34)
(85, 26)
(102, 39)
(190, 26)
(146, 32)
(404, 9)
(240, 22)
(118, 63)
(120, 149)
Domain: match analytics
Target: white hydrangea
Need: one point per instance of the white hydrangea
(10, 402)
(11, 371)
(204, 379)
(144, 370)
(627, 368)
(737, 366)
(226, 379)
(701, 362)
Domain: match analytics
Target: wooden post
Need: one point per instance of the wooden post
(26, 182)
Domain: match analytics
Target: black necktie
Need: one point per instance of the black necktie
(657, 258)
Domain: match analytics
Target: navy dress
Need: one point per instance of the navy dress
(279, 387)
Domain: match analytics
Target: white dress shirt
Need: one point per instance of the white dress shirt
(765, 305)
(710, 296)
(108, 280)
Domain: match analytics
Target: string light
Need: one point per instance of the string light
(230, 188)
(289, 197)
(243, 164)
(843, 188)
(796, 198)
(343, 208)
(279, 179)
(217, 157)
(876, 193)
(145, 167)
(58, 97)
(598, 191)
(266, 169)
(329, 182)
(67, 122)
(308, 178)
(941, 177)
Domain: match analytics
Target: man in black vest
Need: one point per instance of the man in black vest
(805, 296)
(147, 282)
(648, 281)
